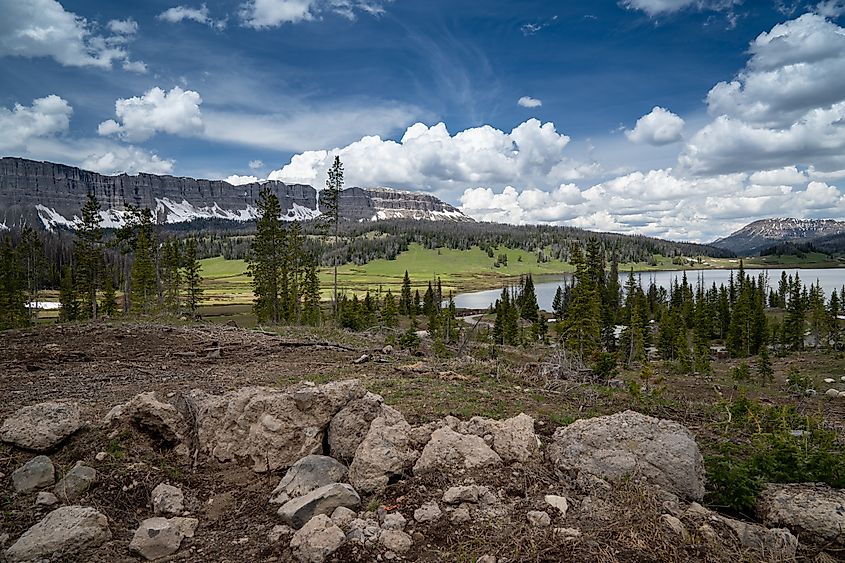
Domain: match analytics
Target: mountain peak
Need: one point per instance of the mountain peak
(763, 233)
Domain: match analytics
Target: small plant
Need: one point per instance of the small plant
(374, 504)
(439, 349)
(409, 339)
(797, 381)
(741, 372)
(605, 366)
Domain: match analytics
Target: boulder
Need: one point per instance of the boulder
(513, 438)
(317, 540)
(272, 428)
(661, 452)
(41, 427)
(815, 512)
(147, 413)
(324, 500)
(343, 516)
(393, 521)
(775, 544)
(167, 500)
(448, 450)
(34, 474)
(159, 537)
(396, 541)
(429, 512)
(387, 452)
(63, 533)
(832, 393)
(309, 473)
(76, 482)
(349, 427)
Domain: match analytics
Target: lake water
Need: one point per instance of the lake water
(829, 278)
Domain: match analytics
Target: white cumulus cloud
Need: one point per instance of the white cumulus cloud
(46, 117)
(236, 180)
(529, 102)
(263, 14)
(181, 13)
(138, 118)
(658, 7)
(43, 28)
(431, 158)
(659, 127)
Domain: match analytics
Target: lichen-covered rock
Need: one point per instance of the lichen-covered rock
(512, 438)
(309, 473)
(386, 452)
(349, 427)
(539, 518)
(317, 540)
(273, 428)
(76, 482)
(429, 512)
(159, 537)
(41, 427)
(167, 500)
(34, 474)
(146, 412)
(815, 512)
(449, 450)
(63, 533)
(396, 541)
(662, 452)
(324, 500)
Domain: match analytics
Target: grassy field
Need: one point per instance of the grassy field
(226, 281)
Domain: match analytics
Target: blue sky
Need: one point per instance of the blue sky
(727, 93)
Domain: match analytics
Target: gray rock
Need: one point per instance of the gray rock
(448, 450)
(63, 533)
(363, 531)
(159, 537)
(343, 516)
(674, 526)
(774, 544)
(460, 515)
(76, 482)
(167, 500)
(815, 512)
(278, 532)
(386, 452)
(463, 493)
(317, 540)
(349, 427)
(539, 518)
(429, 512)
(558, 502)
(661, 452)
(396, 541)
(41, 427)
(272, 428)
(324, 500)
(46, 498)
(147, 413)
(486, 559)
(309, 473)
(393, 521)
(34, 474)
(513, 438)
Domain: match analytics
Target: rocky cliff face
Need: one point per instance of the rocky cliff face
(373, 204)
(51, 195)
(765, 233)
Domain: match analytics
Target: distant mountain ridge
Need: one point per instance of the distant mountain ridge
(765, 233)
(51, 195)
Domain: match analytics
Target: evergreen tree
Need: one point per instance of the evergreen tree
(330, 199)
(416, 306)
(389, 312)
(109, 305)
(13, 296)
(88, 251)
(68, 298)
(267, 259)
(144, 282)
(764, 365)
(581, 326)
(558, 303)
(793, 326)
(311, 313)
(34, 264)
(405, 297)
(191, 269)
(529, 310)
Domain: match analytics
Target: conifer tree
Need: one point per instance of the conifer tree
(764, 365)
(68, 298)
(191, 269)
(267, 258)
(13, 297)
(416, 305)
(311, 314)
(33, 263)
(171, 275)
(405, 297)
(109, 305)
(581, 326)
(389, 312)
(88, 251)
(144, 283)
(330, 198)
(529, 309)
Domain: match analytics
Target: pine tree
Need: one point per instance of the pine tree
(109, 305)
(311, 313)
(330, 199)
(191, 269)
(764, 365)
(266, 258)
(558, 303)
(34, 264)
(417, 306)
(68, 298)
(13, 297)
(88, 251)
(581, 326)
(389, 312)
(144, 283)
(171, 275)
(529, 310)
(405, 297)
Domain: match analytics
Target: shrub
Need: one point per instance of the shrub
(409, 339)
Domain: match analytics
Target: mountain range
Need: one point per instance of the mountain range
(756, 237)
(51, 195)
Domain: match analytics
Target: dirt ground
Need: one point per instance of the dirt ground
(101, 365)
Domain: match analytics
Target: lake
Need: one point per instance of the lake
(829, 278)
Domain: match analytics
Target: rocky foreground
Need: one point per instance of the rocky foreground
(359, 483)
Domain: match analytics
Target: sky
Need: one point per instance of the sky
(682, 119)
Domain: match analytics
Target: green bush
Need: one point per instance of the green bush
(783, 447)
(409, 339)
